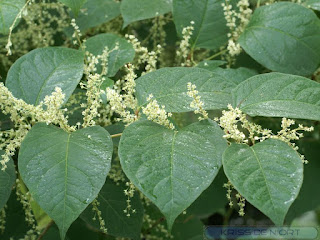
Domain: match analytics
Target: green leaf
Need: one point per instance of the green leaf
(279, 95)
(210, 64)
(97, 12)
(171, 168)
(9, 9)
(65, 171)
(210, 29)
(7, 179)
(117, 58)
(135, 10)
(36, 74)
(284, 37)
(314, 4)
(75, 5)
(112, 203)
(269, 175)
(169, 88)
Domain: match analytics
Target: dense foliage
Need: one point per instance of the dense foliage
(150, 119)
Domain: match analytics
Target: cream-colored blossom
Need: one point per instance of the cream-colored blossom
(197, 104)
(184, 46)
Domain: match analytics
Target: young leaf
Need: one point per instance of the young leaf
(117, 58)
(279, 95)
(112, 204)
(65, 171)
(7, 179)
(169, 88)
(135, 10)
(171, 168)
(8, 11)
(210, 29)
(97, 12)
(75, 5)
(284, 37)
(36, 74)
(269, 175)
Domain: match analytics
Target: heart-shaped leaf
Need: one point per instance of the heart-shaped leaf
(279, 95)
(172, 168)
(7, 179)
(36, 74)
(284, 37)
(269, 175)
(65, 171)
(169, 88)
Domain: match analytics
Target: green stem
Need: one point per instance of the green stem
(217, 54)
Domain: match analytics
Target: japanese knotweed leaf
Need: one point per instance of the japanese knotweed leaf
(269, 175)
(135, 10)
(172, 168)
(112, 203)
(313, 4)
(36, 74)
(7, 179)
(169, 88)
(117, 58)
(284, 37)
(75, 5)
(210, 29)
(279, 95)
(65, 171)
(8, 11)
(97, 12)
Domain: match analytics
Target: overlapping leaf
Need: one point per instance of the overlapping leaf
(65, 171)
(9, 10)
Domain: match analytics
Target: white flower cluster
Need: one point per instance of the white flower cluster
(144, 56)
(124, 104)
(241, 200)
(129, 192)
(95, 209)
(20, 112)
(184, 46)
(77, 33)
(236, 21)
(196, 103)
(156, 113)
(3, 219)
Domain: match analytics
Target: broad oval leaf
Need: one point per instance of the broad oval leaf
(169, 88)
(172, 168)
(8, 12)
(284, 37)
(117, 58)
(7, 179)
(63, 171)
(135, 10)
(113, 202)
(36, 74)
(75, 5)
(210, 29)
(269, 175)
(97, 12)
(279, 95)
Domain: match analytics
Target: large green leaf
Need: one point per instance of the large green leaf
(269, 175)
(210, 29)
(9, 9)
(313, 4)
(135, 10)
(75, 5)
(284, 37)
(112, 203)
(36, 74)
(116, 58)
(169, 87)
(279, 95)
(7, 179)
(65, 171)
(97, 12)
(171, 168)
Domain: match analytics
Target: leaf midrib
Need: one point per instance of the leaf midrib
(65, 182)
